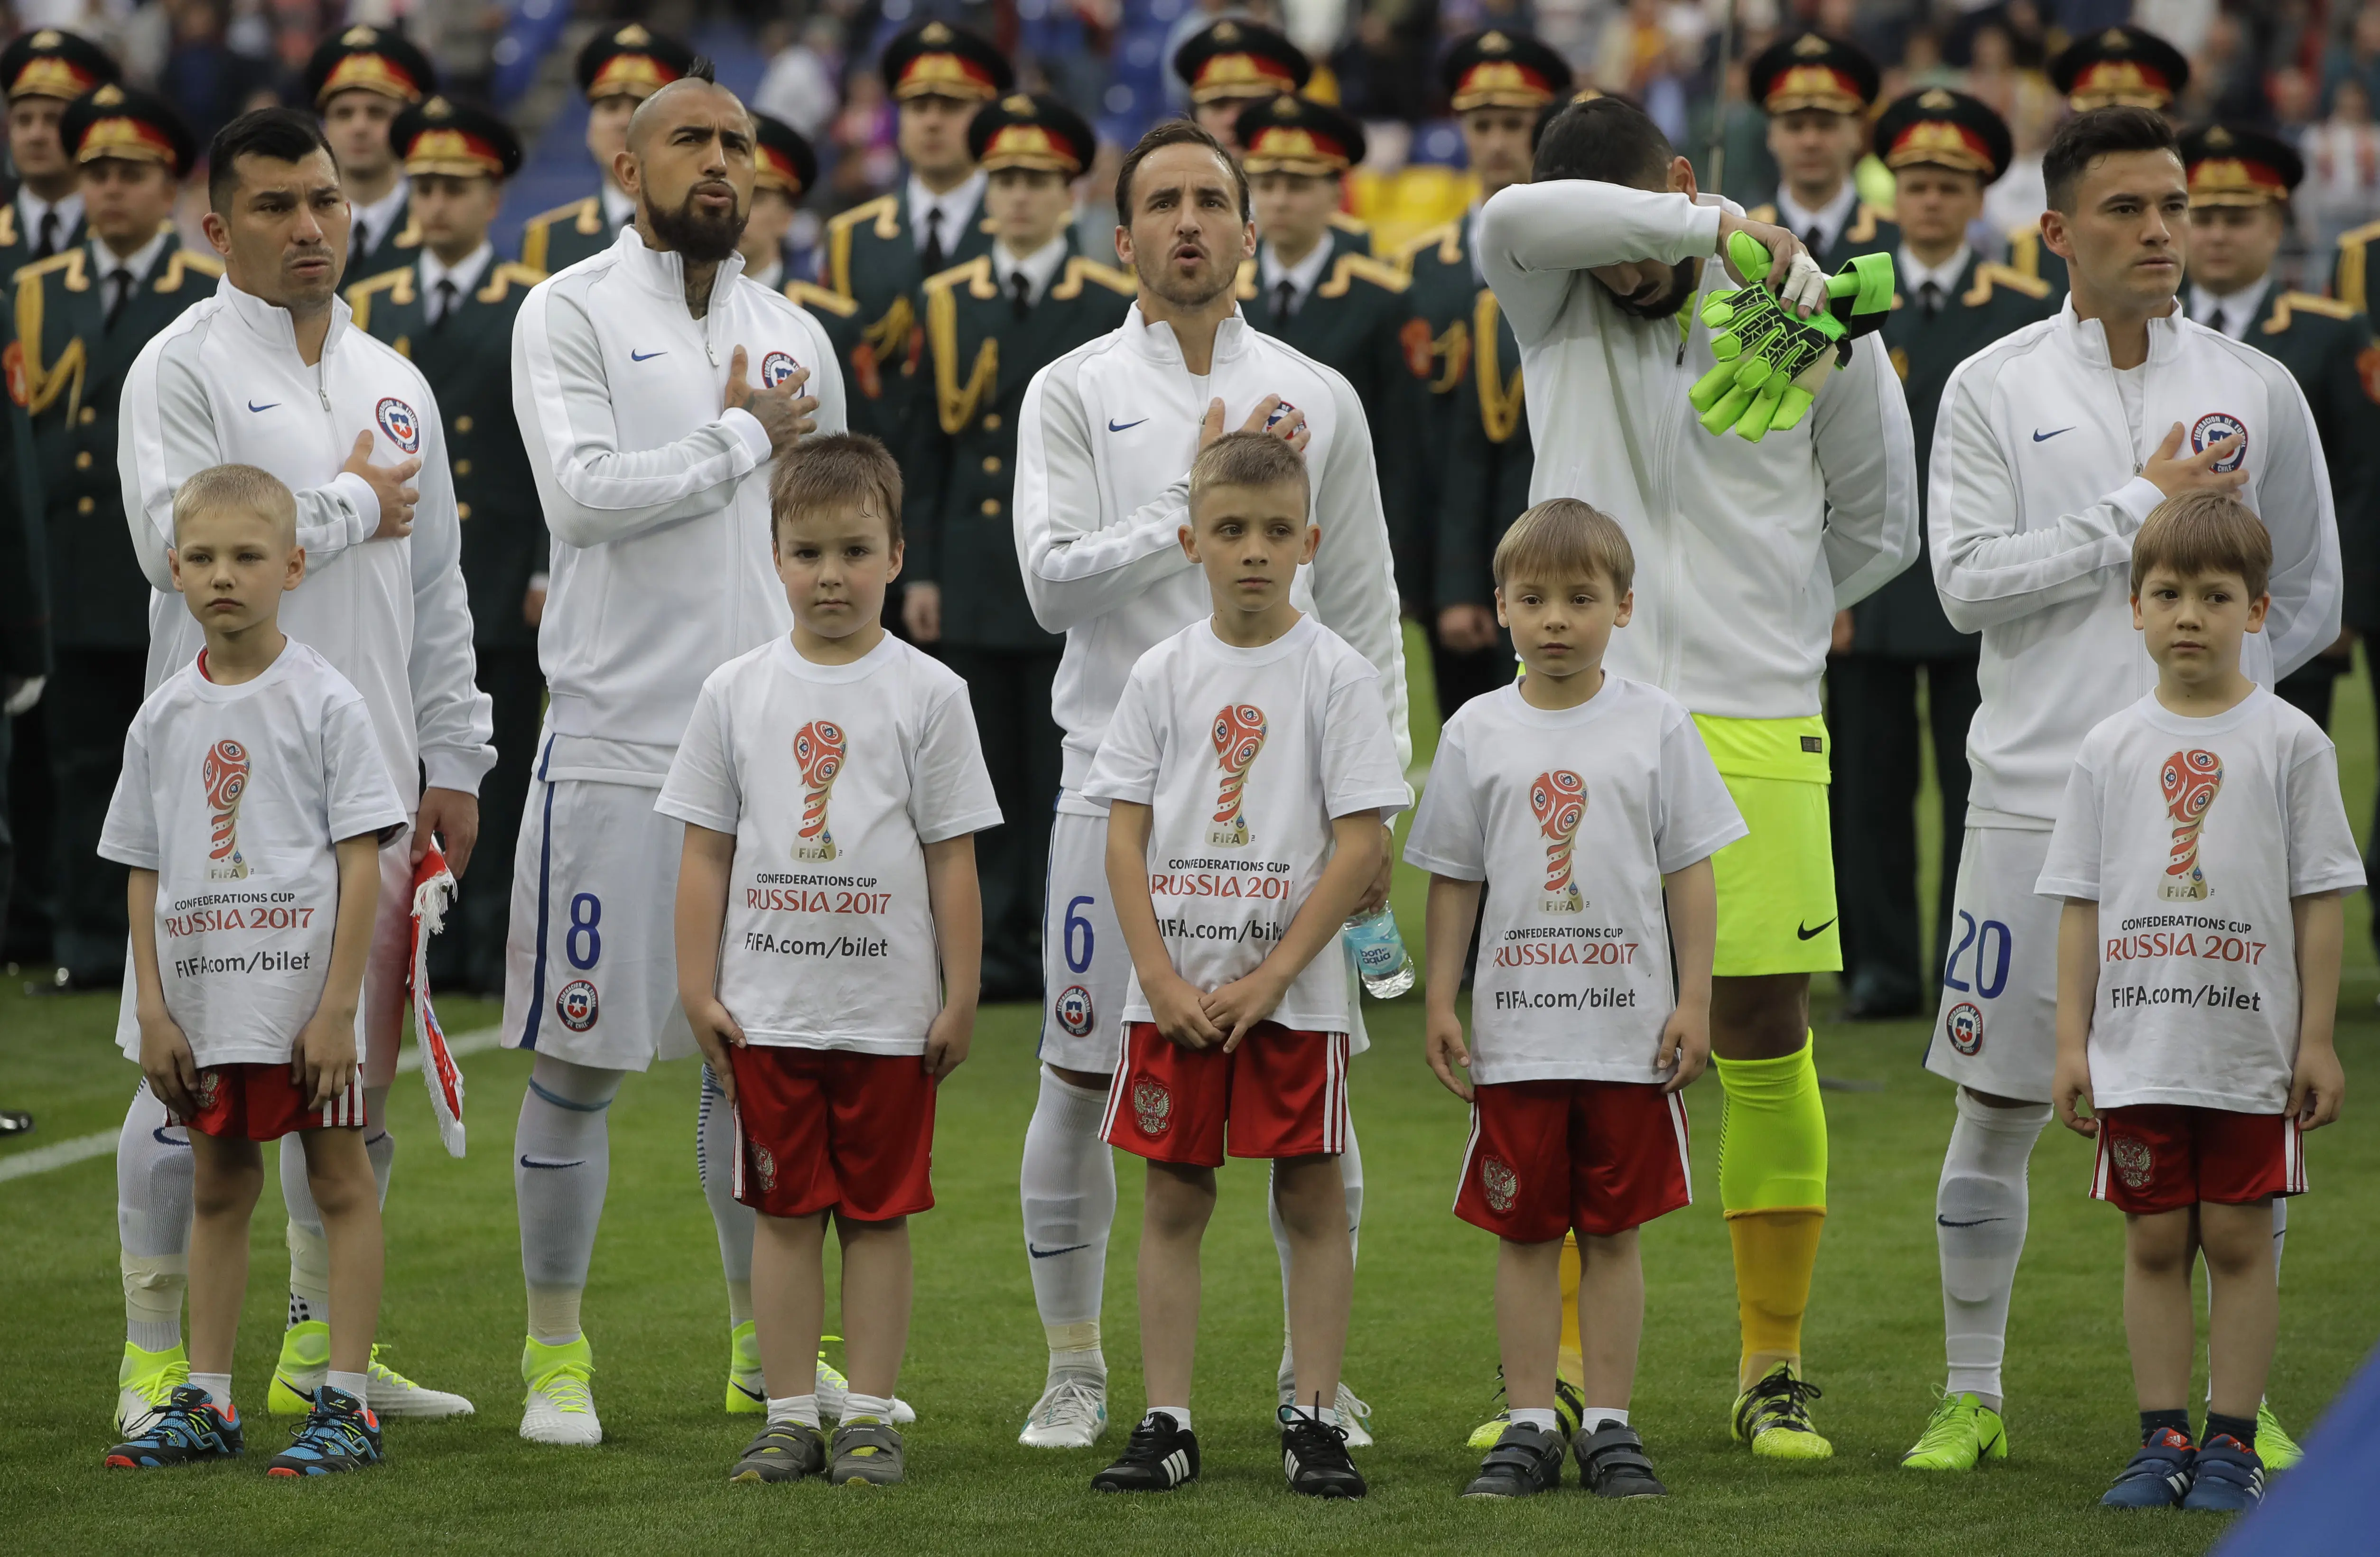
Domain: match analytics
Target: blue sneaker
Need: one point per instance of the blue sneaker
(2231, 1476)
(2158, 1477)
(186, 1428)
(339, 1433)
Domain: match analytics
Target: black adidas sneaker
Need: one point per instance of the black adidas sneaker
(1314, 1455)
(1158, 1456)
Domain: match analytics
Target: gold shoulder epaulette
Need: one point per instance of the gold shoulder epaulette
(397, 284)
(885, 211)
(503, 276)
(587, 215)
(1346, 222)
(817, 298)
(1989, 275)
(1767, 212)
(70, 260)
(1863, 224)
(1079, 271)
(1446, 237)
(974, 274)
(188, 262)
(1350, 267)
(2313, 302)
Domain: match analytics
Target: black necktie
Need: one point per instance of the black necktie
(1816, 239)
(1020, 293)
(359, 246)
(1929, 298)
(1284, 299)
(934, 254)
(48, 244)
(445, 300)
(119, 286)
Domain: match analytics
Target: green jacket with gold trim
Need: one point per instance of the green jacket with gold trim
(979, 358)
(74, 362)
(467, 356)
(2326, 346)
(1489, 460)
(556, 239)
(1869, 231)
(871, 258)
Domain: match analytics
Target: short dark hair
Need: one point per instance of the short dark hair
(2100, 132)
(830, 468)
(284, 134)
(2196, 533)
(1174, 132)
(1608, 140)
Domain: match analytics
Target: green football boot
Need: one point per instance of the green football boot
(1963, 1434)
(560, 1405)
(145, 1382)
(303, 1367)
(2274, 1445)
(747, 1391)
(1774, 1418)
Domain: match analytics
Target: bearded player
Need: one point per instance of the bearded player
(1104, 448)
(1744, 553)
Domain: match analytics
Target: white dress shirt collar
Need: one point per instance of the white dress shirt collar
(618, 209)
(771, 275)
(31, 208)
(956, 203)
(1300, 277)
(140, 262)
(465, 275)
(2241, 309)
(1914, 272)
(378, 219)
(1830, 221)
(1039, 268)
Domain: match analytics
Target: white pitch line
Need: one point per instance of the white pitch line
(82, 1148)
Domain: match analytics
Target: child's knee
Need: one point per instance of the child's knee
(2237, 1240)
(339, 1172)
(2158, 1244)
(230, 1188)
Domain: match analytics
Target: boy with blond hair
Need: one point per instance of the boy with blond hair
(1247, 770)
(1587, 807)
(2202, 851)
(831, 783)
(252, 808)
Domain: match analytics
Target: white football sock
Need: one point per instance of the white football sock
(1351, 1174)
(801, 1408)
(152, 1221)
(856, 1405)
(1595, 1418)
(217, 1385)
(1181, 1414)
(2280, 1233)
(1544, 1420)
(1068, 1185)
(562, 1164)
(309, 1247)
(355, 1384)
(714, 1164)
(1980, 1210)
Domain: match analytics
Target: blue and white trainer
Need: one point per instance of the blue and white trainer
(340, 1434)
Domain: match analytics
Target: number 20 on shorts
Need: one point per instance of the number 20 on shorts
(1989, 967)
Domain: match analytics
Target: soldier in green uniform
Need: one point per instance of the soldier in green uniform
(1944, 148)
(783, 169)
(618, 68)
(81, 318)
(2116, 65)
(1816, 90)
(880, 253)
(42, 72)
(1500, 83)
(24, 619)
(1235, 66)
(990, 325)
(2240, 185)
(358, 82)
(1316, 285)
(450, 309)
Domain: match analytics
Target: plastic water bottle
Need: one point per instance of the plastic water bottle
(1381, 954)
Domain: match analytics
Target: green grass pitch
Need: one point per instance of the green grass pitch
(1422, 1349)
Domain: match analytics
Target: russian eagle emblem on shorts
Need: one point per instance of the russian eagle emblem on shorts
(210, 1089)
(2220, 424)
(775, 369)
(1075, 1011)
(2134, 1163)
(576, 1004)
(396, 420)
(1500, 1183)
(1964, 1028)
(764, 1167)
(1152, 1106)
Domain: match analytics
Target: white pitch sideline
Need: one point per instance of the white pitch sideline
(82, 1148)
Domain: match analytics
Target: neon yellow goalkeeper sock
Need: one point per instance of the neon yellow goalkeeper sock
(1772, 1187)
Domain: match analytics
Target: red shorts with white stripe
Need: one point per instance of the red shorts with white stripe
(2161, 1156)
(1281, 1093)
(1547, 1157)
(826, 1129)
(258, 1102)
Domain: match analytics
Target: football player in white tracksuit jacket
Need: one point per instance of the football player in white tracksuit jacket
(632, 375)
(231, 383)
(2053, 444)
(1104, 448)
(1744, 553)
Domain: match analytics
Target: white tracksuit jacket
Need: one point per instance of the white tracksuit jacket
(1745, 552)
(658, 500)
(1103, 453)
(224, 384)
(2035, 498)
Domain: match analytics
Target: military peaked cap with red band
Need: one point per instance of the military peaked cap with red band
(129, 124)
(2120, 65)
(368, 59)
(2231, 164)
(1299, 135)
(939, 60)
(1811, 70)
(49, 63)
(630, 61)
(782, 160)
(1037, 132)
(1236, 58)
(1938, 128)
(1501, 68)
(443, 136)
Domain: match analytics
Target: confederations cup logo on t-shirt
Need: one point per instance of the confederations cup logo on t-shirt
(396, 420)
(1152, 1106)
(2220, 424)
(1558, 798)
(1498, 1182)
(775, 369)
(1964, 1028)
(818, 752)
(764, 1166)
(576, 1004)
(2135, 1165)
(1239, 734)
(224, 774)
(1075, 1011)
(2191, 780)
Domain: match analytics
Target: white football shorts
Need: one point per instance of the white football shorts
(1997, 1030)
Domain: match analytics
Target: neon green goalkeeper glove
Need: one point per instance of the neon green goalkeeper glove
(1771, 363)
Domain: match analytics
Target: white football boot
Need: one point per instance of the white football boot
(1071, 1414)
(559, 1407)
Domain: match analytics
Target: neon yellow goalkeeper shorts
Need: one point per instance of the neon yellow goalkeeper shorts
(1777, 886)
